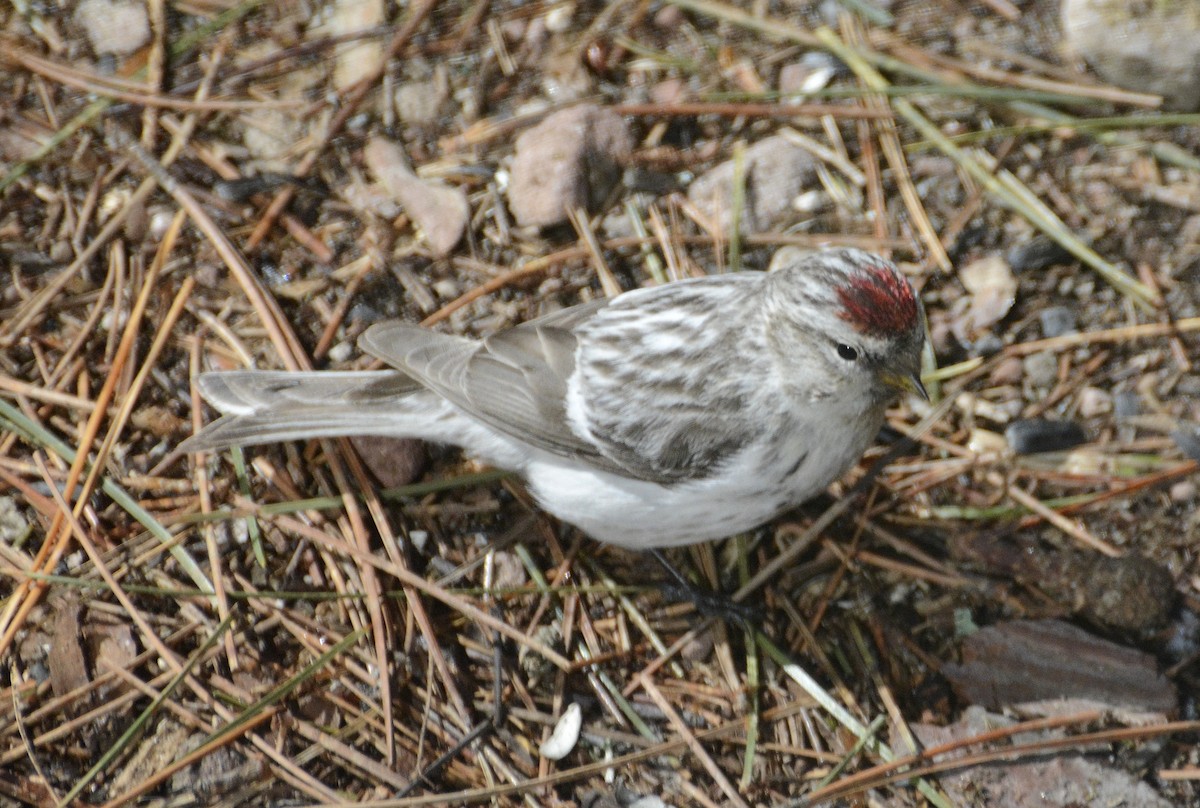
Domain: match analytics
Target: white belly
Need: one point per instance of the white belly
(641, 515)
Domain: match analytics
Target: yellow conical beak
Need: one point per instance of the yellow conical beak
(906, 383)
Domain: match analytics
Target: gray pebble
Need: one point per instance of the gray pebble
(1033, 435)
(1187, 438)
(1041, 369)
(1126, 404)
(986, 345)
(1037, 253)
(1056, 321)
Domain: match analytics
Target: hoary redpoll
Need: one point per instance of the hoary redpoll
(663, 416)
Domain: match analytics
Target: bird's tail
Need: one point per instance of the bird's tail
(268, 406)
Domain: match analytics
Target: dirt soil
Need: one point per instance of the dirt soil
(1008, 581)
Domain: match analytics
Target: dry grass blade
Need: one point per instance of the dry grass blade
(1005, 186)
(914, 765)
(463, 622)
(889, 141)
(128, 92)
(57, 537)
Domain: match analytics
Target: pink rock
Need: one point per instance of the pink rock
(777, 170)
(571, 159)
(440, 210)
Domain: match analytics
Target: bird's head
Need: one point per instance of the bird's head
(850, 319)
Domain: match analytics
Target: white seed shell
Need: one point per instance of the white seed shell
(565, 735)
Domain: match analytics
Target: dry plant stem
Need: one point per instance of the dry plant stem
(147, 632)
(1006, 187)
(1140, 484)
(885, 774)
(583, 228)
(29, 592)
(209, 535)
(772, 29)
(409, 578)
(138, 95)
(1062, 523)
(162, 334)
(26, 390)
(889, 141)
(692, 742)
(1097, 92)
(752, 110)
(198, 754)
(240, 725)
(329, 333)
(374, 590)
(417, 12)
(1121, 334)
(802, 678)
(34, 307)
(290, 351)
(1004, 8)
(910, 570)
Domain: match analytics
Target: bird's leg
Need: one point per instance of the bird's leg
(707, 602)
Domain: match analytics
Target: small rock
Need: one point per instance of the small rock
(1188, 386)
(669, 91)
(810, 73)
(650, 801)
(811, 201)
(558, 18)
(776, 171)
(113, 26)
(393, 461)
(648, 181)
(1152, 47)
(1131, 594)
(341, 352)
(1034, 435)
(1057, 781)
(993, 289)
(699, 647)
(363, 58)
(1183, 491)
(1093, 401)
(269, 136)
(440, 210)
(570, 160)
(1041, 369)
(418, 103)
(508, 571)
(1037, 253)
(984, 441)
(1187, 438)
(668, 18)
(1057, 321)
(1008, 371)
(1127, 404)
(61, 251)
(987, 345)
(1182, 637)
(1034, 660)
(159, 421)
(14, 526)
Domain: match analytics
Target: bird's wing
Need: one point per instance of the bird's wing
(515, 381)
(670, 375)
(661, 406)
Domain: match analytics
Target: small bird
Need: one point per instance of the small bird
(663, 416)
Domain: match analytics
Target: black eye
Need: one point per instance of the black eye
(847, 352)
